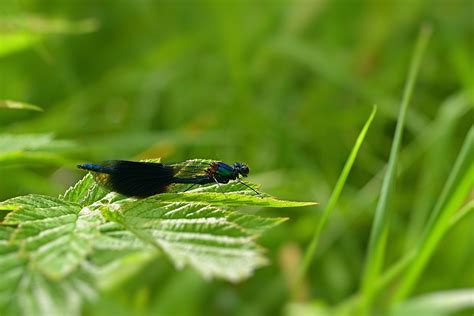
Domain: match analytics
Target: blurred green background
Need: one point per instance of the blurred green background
(284, 86)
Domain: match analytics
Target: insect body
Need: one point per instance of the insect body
(142, 179)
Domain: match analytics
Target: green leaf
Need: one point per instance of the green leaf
(41, 25)
(52, 242)
(26, 291)
(13, 143)
(9, 104)
(55, 235)
(32, 148)
(114, 237)
(436, 304)
(254, 224)
(200, 235)
(12, 267)
(32, 207)
(113, 267)
(14, 42)
(39, 296)
(23, 32)
(230, 199)
(85, 192)
(33, 158)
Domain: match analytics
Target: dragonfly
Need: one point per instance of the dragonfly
(142, 179)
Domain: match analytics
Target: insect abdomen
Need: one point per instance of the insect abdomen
(95, 168)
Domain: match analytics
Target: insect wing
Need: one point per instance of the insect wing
(138, 179)
(191, 168)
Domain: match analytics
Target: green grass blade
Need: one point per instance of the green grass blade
(374, 259)
(465, 211)
(309, 255)
(9, 104)
(398, 268)
(452, 198)
(463, 161)
(437, 303)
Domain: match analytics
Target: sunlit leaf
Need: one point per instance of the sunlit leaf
(55, 235)
(32, 149)
(45, 25)
(49, 241)
(14, 42)
(85, 192)
(200, 235)
(38, 142)
(23, 32)
(26, 291)
(231, 199)
(437, 304)
(9, 104)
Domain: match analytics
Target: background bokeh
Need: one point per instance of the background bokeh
(284, 86)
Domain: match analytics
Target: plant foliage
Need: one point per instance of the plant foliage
(52, 248)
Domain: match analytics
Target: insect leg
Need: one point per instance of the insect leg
(218, 184)
(192, 185)
(248, 186)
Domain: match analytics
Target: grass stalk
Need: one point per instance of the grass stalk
(336, 193)
(378, 235)
(452, 198)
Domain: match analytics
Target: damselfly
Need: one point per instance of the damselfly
(143, 179)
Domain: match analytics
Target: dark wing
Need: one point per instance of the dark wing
(137, 179)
